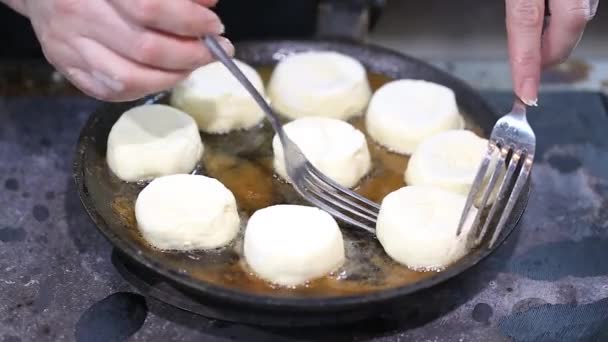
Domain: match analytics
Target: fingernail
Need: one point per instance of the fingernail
(528, 91)
(531, 103)
(217, 28)
(108, 81)
(226, 45)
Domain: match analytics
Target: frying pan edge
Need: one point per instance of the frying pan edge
(376, 58)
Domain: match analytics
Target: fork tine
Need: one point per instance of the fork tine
(522, 178)
(340, 188)
(339, 201)
(489, 190)
(330, 190)
(481, 172)
(502, 191)
(317, 201)
(340, 215)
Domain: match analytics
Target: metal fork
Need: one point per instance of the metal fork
(514, 141)
(309, 182)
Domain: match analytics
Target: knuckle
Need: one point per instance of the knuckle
(86, 83)
(146, 49)
(128, 81)
(67, 7)
(147, 11)
(527, 14)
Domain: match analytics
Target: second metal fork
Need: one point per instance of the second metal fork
(342, 203)
(511, 147)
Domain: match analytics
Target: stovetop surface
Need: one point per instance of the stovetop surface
(548, 282)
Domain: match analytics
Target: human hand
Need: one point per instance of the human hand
(530, 48)
(119, 50)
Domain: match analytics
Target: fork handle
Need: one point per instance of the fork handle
(519, 107)
(221, 55)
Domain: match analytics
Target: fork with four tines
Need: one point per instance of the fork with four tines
(309, 182)
(509, 160)
(512, 137)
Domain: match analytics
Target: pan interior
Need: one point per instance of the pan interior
(243, 162)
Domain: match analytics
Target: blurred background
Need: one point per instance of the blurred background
(465, 37)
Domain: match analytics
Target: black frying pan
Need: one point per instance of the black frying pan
(370, 283)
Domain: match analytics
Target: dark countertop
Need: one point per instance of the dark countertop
(548, 282)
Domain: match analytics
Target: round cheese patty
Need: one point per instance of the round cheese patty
(319, 83)
(417, 227)
(290, 244)
(153, 140)
(403, 113)
(448, 160)
(333, 146)
(217, 101)
(187, 212)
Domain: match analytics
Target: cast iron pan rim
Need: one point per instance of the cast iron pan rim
(237, 297)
